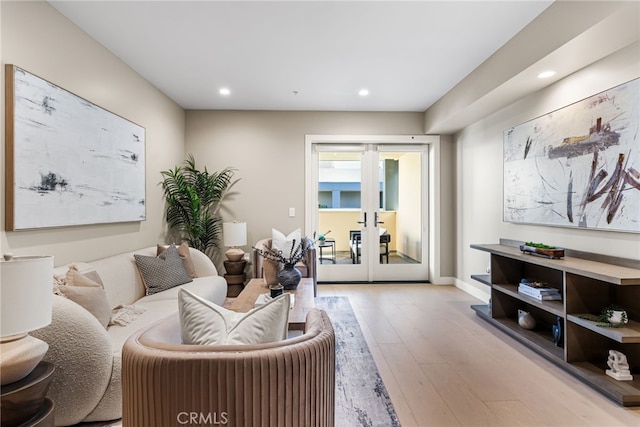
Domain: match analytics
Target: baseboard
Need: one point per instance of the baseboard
(443, 280)
(481, 294)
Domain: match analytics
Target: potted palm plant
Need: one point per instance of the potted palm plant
(192, 201)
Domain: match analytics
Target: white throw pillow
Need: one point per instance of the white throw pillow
(283, 243)
(205, 323)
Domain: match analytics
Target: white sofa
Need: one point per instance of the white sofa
(87, 357)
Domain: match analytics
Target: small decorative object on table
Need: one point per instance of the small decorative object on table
(321, 237)
(612, 316)
(615, 315)
(276, 290)
(556, 331)
(289, 276)
(542, 250)
(619, 366)
(526, 320)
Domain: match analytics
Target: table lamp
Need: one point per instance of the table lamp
(235, 234)
(26, 299)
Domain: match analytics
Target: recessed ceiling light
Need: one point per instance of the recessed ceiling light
(224, 91)
(363, 92)
(546, 74)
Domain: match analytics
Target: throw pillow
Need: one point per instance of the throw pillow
(185, 256)
(87, 293)
(205, 323)
(162, 272)
(280, 242)
(83, 268)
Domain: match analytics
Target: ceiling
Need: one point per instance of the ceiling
(303, 55)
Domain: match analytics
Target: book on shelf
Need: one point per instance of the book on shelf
(548, 291)
(538, 291)
(548, 297)
(536, 285)
(556, 297)
(551, 294)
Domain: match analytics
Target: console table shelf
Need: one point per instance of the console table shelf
(587, 283)
(629, 334)
(539, 341)
(611, 273)
(554, 307)
(482, 278)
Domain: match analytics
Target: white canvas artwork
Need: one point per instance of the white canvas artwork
(578, 166)
(74, 162)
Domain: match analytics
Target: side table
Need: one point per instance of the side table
(328, 243)
(235, 276)
(23, 403)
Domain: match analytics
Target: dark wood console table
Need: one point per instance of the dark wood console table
(588, 283)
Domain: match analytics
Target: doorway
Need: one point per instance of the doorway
(368, 203)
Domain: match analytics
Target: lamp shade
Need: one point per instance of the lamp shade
(26, 294)
(235, 233)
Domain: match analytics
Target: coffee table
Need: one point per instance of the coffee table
(304, 300)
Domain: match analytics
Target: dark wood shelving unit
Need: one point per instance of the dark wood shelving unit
(482, 278)
(588, 283)
(554, 307)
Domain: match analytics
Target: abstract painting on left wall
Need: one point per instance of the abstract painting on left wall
(68, 161)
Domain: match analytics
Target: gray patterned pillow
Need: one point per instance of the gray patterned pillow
(162, 272)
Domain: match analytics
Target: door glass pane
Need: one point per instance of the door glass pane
(340, 207)
(399, 219)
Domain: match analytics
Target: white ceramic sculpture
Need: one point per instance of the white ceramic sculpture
(619, 366)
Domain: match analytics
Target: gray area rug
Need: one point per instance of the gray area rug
(361, 396)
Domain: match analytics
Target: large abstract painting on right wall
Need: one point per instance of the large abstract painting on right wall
(578, 166)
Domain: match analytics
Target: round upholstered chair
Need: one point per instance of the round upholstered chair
(283, 383)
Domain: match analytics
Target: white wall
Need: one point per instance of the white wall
(479, 171)
(37, 38)
(268, 150)
(409, 215)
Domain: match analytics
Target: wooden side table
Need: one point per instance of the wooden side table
(23, 403)
(235, 276)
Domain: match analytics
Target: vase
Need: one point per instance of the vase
(526, 320)
(289, 277)
(270, 271)
(556, 331)
(617, 317)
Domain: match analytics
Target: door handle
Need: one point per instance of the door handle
(375, 220)
(365, 220)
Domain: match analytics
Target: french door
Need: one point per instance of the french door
(370, 210)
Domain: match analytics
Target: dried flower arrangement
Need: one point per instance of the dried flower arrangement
(298, 249)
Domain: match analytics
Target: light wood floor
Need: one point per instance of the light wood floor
(443, 366)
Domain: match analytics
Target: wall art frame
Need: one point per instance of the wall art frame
(577, 166)
(68, 162)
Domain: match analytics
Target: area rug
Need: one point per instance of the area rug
(361, 396)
